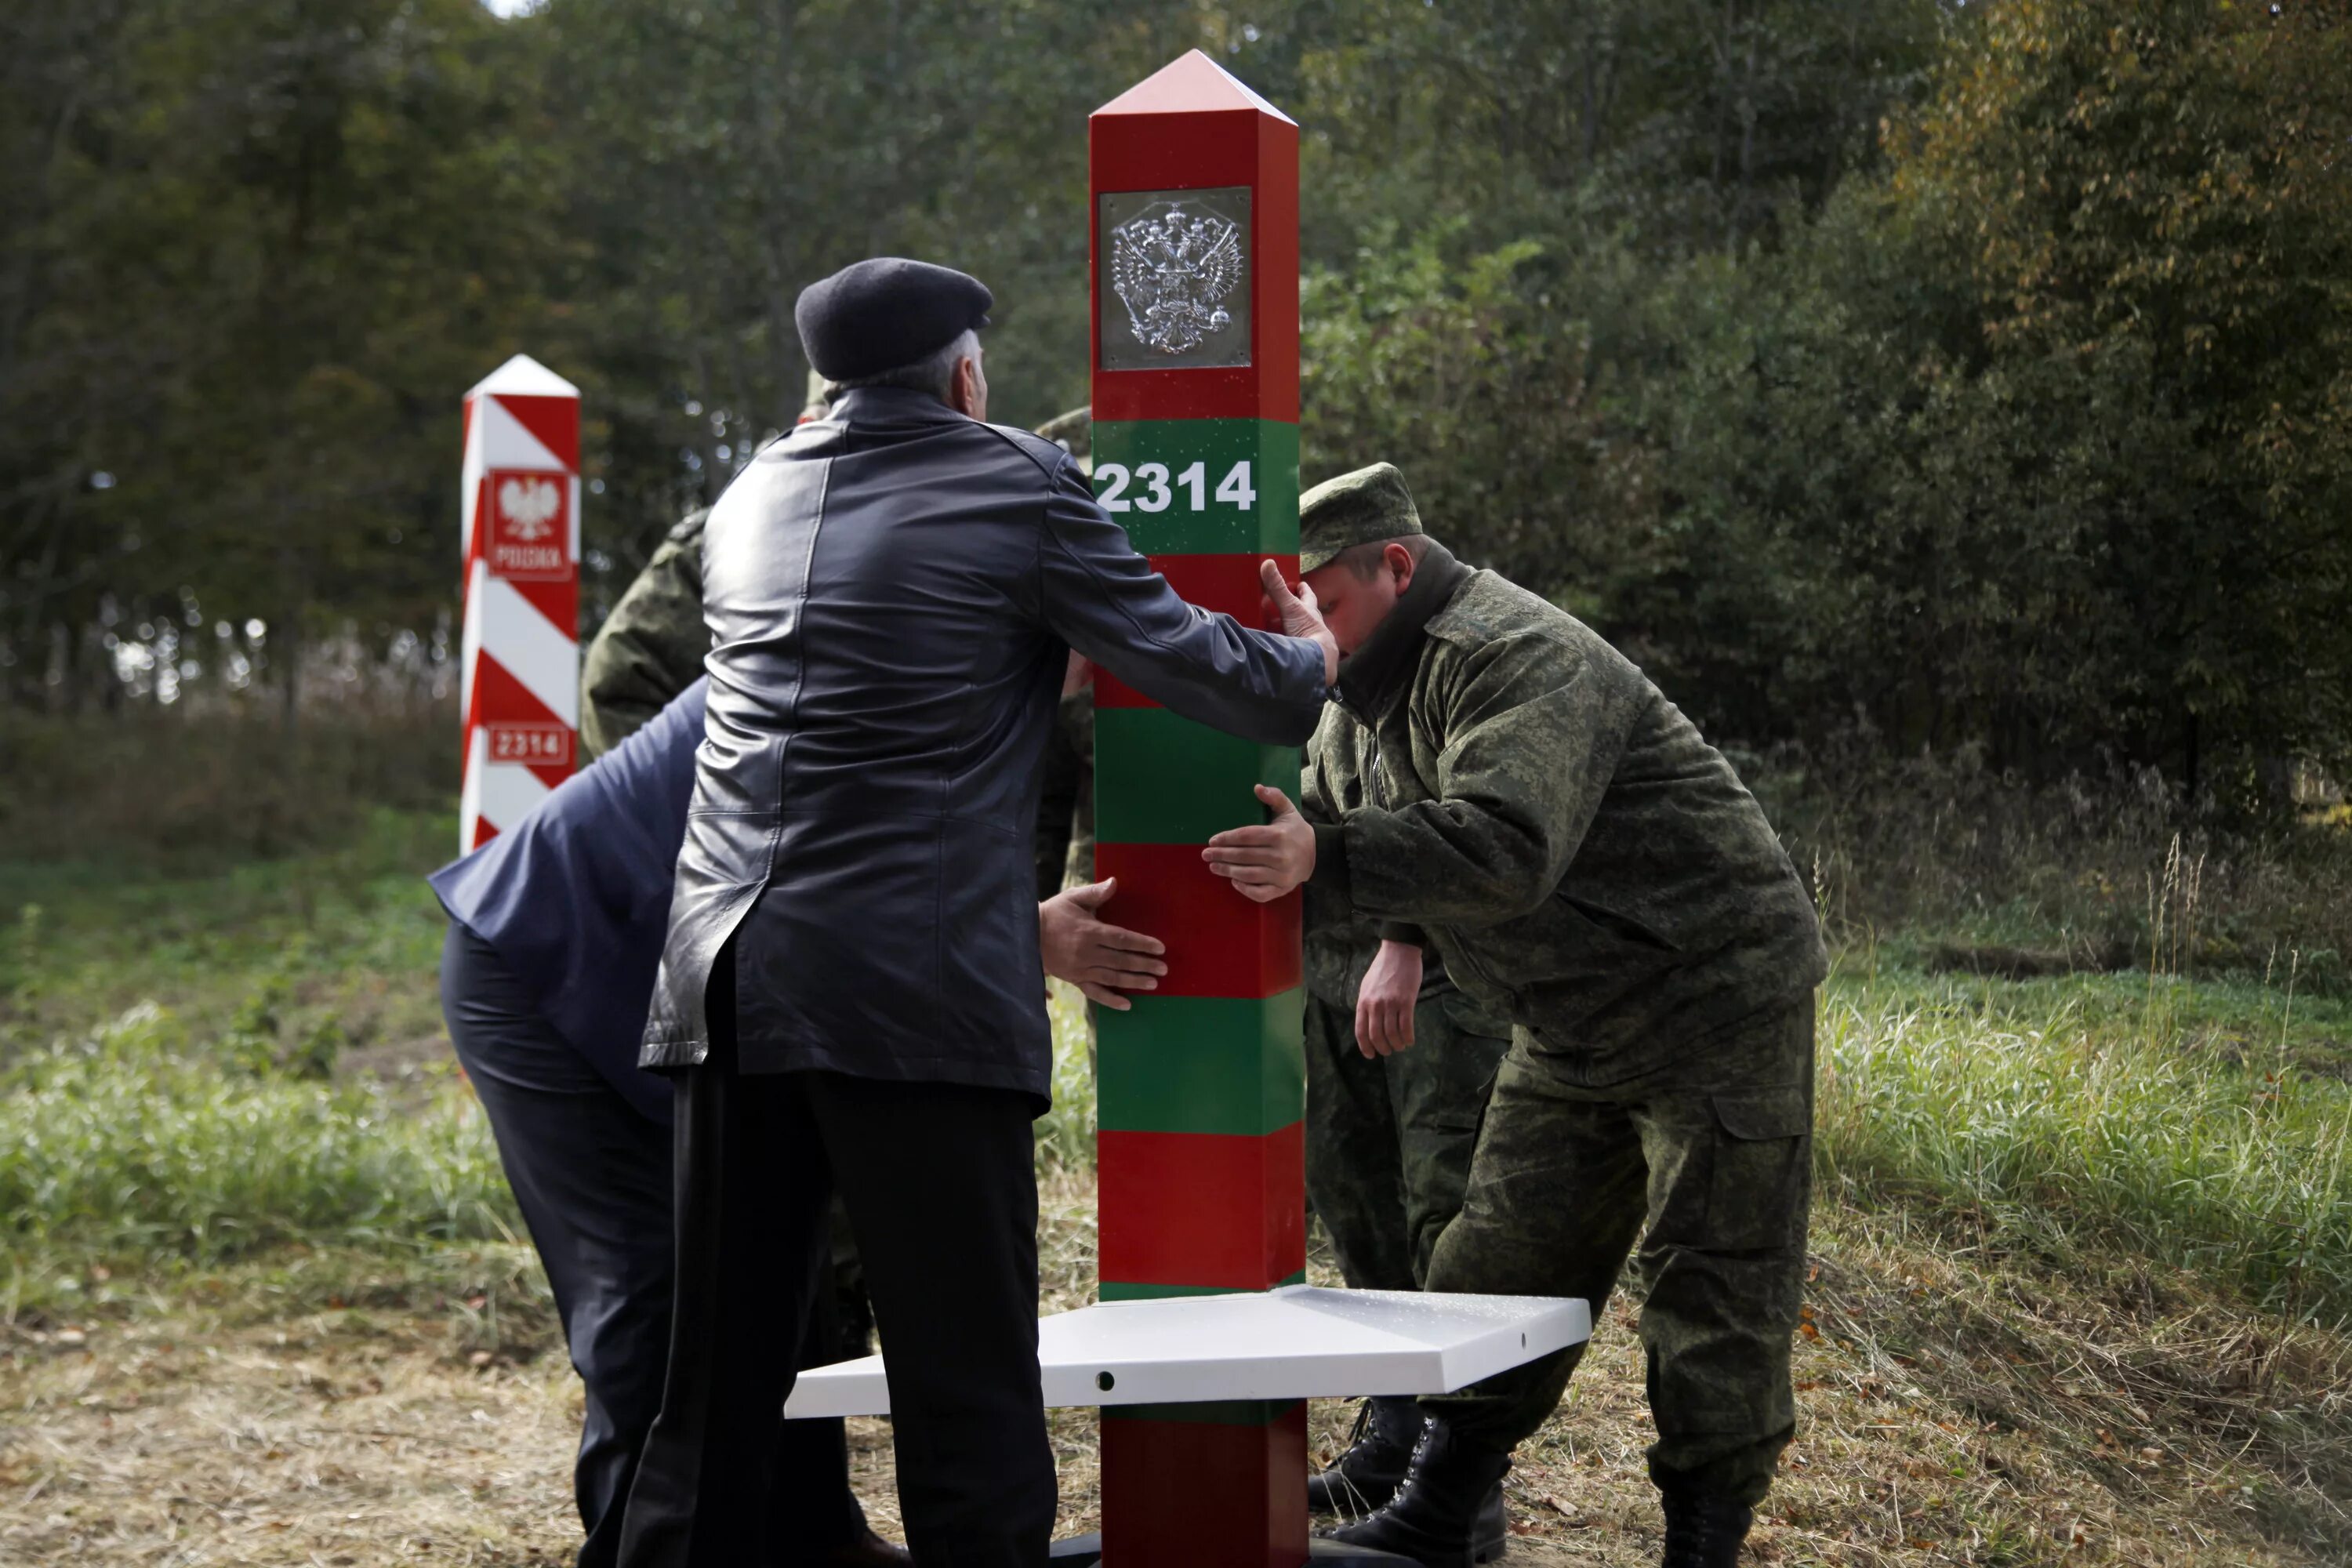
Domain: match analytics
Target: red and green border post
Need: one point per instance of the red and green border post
(1201, 1088)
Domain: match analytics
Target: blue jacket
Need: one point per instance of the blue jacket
(575, 898)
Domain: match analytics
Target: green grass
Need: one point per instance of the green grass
(198, 1072)
(2069, 1115)
(135, 1141)
(347, 936)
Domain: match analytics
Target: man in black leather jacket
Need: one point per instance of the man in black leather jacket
(851, 982)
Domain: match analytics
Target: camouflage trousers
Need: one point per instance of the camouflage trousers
(1708, 1161)
(1389, 1139)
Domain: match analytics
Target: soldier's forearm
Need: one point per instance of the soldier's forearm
(1432, 863)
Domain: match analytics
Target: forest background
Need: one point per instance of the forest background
(1949, 404)
(1880, 374)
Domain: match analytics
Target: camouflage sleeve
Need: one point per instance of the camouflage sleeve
(1534, 732)
(1056, 810)
(1315, 801)
(649, 649)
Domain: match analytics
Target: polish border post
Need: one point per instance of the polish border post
(520, 652)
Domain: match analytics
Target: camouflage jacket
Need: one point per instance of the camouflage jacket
(1066, 807)
(1494, 778)
(650, 647)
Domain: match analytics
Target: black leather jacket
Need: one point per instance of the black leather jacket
(891, 593)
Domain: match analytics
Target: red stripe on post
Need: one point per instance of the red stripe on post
(1219, 942)
(1228, 585)
(1237, 1489)
(1201, 1208)
(554, 421)
(522, 728)
(1147, 140)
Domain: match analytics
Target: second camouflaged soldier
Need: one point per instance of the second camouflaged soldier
(1066, 807)
(1519, 794)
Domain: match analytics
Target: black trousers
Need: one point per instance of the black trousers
(592, 1175)
(942, 1194)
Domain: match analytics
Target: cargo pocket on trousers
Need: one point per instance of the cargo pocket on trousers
(1763, 1179)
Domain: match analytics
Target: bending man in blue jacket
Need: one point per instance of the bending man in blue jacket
(555, 934)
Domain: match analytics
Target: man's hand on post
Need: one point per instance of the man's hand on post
(1300, 618)
(1100, 959)
(1265, 862)
(1385, 1001)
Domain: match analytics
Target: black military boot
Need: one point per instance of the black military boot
(1703, 1532)
(867, 1550)
(1448, 1510)
(1379, 1449)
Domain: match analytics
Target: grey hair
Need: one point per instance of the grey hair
(933, 373)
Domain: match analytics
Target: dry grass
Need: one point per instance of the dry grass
(345, 1408)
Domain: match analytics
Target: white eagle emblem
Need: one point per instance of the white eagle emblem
(529, 506)
(1172, 270)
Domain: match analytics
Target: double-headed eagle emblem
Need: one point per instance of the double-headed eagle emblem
(1172, 270)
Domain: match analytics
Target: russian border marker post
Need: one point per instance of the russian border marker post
(1207, 1342)
(1200, 1090)
(520, 651)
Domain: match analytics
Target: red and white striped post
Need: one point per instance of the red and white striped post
(521, 646)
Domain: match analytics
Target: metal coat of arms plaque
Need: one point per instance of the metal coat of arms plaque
(1176, 279)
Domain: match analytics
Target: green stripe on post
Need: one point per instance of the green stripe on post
(1117, 1292)
(1256, 456)
(1160, 779)
(1201, 1064)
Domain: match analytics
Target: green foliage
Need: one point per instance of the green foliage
(300, 958)
(1884, 374)
(2154, 216)
(253, 251)
(133, 1139)
(1065, 1134)
(2033, 445)
(1415, 349)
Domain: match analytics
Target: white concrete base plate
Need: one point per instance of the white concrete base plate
(1298, 1342)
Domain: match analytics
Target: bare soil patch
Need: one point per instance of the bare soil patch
(1955, 1409)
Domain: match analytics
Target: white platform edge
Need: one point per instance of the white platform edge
(1158, 1353)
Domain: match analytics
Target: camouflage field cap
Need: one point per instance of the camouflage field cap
(1074, 433)
(1354, 509)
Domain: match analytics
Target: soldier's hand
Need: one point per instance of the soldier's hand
(1384, 1003)
(1300, 618)
(1100, 959)
(1265, 862)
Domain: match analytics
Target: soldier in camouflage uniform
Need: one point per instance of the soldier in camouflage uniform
(650, 647)
(1066, 808)
(1508, 789)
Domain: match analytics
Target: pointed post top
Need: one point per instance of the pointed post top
(523, 376)
(1191, 84)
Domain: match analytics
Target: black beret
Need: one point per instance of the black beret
(881, 313)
